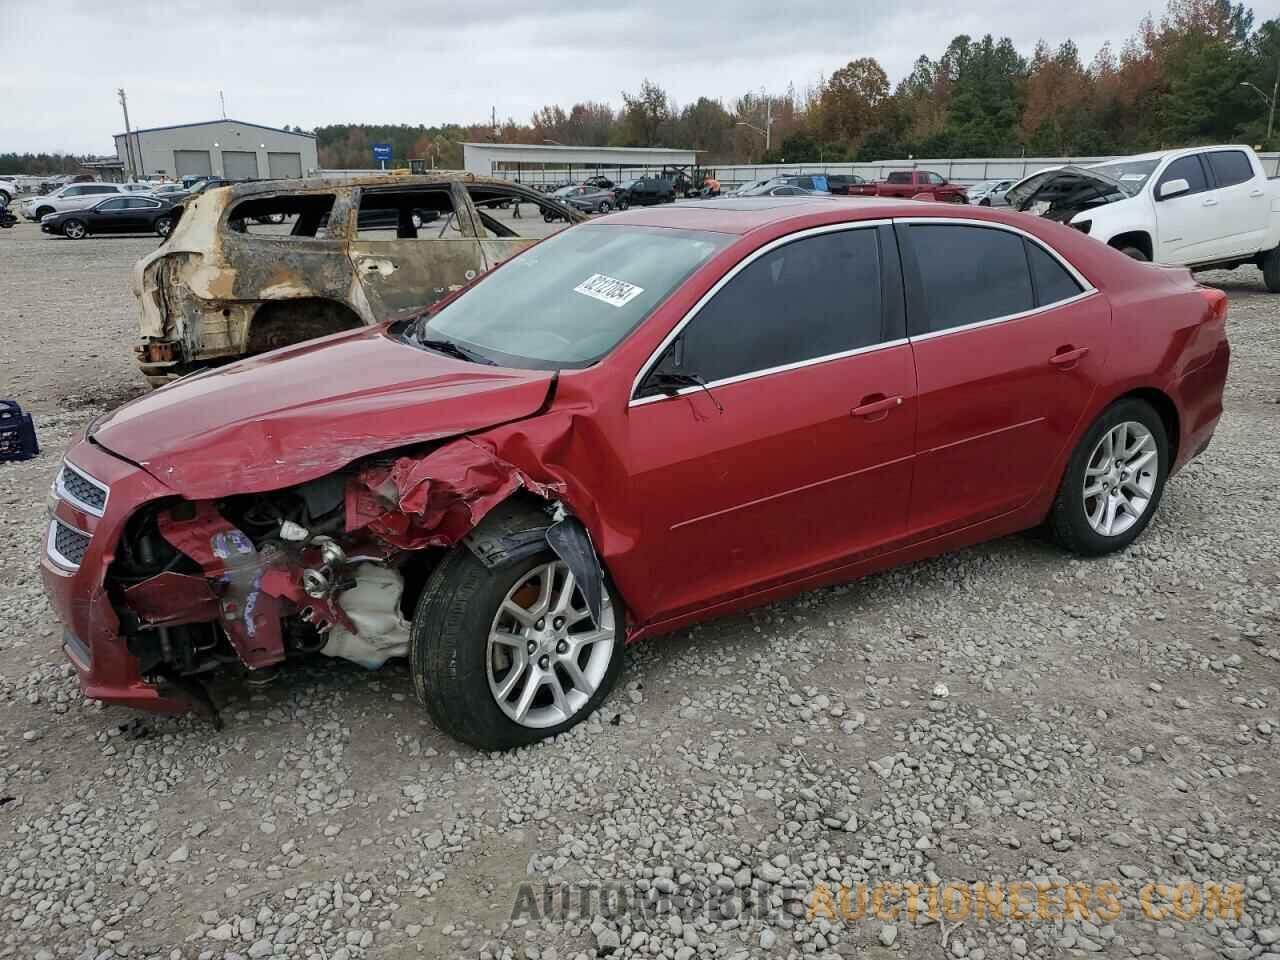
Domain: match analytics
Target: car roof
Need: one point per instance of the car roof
(742, 215)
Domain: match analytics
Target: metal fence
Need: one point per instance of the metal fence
(964, 171)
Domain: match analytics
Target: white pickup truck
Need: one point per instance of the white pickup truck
(1200, 207)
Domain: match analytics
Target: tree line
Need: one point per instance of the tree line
(1181, 79)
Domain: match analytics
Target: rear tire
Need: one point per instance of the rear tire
(1112, 486)
(163, 226)
(1271, 270)
(460, 672)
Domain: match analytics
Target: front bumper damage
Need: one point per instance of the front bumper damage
(160, 591)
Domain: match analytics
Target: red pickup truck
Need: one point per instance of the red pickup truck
(922, 184)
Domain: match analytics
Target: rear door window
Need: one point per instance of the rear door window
(968, 275)
(424, 214)
(1230, 167)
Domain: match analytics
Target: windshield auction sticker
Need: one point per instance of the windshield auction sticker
(614, 292)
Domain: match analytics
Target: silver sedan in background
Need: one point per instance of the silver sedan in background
(990, 193)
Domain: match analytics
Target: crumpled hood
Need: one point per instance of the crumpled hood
(1024, 191)
(296, 414)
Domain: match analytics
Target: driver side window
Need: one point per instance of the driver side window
(811, 298)
(1185, 168)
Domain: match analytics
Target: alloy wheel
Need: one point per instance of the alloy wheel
(1120, 478)
(74, 229)
(545, 656)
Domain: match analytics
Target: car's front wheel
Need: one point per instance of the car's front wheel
(1113, 482)
(506, 656)
(74, 229)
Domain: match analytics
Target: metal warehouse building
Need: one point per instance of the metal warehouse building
(219, 148)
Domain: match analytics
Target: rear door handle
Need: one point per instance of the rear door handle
(876, 409)
(1068, 356)
(1211, 202)
(1255, 193)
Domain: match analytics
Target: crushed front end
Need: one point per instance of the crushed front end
(156, 592)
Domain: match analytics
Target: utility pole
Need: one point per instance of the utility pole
(493, 122)
(768, 124)
(128, 146)
(222, 102)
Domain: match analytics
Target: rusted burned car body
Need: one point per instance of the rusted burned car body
(351, 252)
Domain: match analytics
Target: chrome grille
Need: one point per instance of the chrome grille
(81, 490)
(67, 545)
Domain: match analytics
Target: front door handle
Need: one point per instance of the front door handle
(1067, 357)
(876, 406)
(1255, 193)
(1211, 202)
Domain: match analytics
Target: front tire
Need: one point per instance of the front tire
(1135, 253)
(505, 657)
(1113, 482)
(74, 229)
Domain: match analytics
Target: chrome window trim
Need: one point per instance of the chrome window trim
(63, 493)
(870, 348)
(1087, 288)
(52, 549)
(933, 334)
(741, 265)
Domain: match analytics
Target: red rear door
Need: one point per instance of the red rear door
(1009, 342)
(797, 454)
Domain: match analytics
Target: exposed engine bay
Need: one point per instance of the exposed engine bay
(1062, 193)
(332, 566)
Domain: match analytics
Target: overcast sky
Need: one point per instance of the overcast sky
(312, 62)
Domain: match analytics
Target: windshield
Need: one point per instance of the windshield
(569, 300)
(1132, 174)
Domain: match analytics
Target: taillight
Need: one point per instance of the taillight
(1217, 301)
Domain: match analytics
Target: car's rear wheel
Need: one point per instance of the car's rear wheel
(1113, 482)
(1271, 270)
(605, 207)
(507, 656)
(984, 202)
(74, 229)
(163, 226)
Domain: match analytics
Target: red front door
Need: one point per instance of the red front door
(797, 456)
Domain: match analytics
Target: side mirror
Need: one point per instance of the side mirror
(1171, 188)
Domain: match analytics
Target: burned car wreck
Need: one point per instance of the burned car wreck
(256, 266)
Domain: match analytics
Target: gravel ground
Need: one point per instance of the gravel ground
(1004, 714)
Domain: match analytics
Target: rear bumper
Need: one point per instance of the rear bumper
(91, 636)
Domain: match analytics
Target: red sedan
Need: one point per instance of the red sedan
(651, 419)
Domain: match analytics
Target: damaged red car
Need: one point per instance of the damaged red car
(654, 418)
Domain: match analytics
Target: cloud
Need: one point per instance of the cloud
(312, 62)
